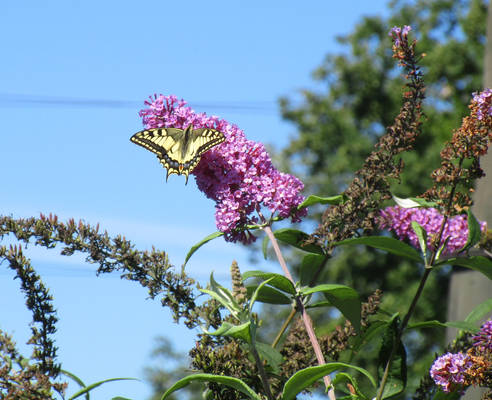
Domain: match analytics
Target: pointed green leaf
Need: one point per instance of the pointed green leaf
(269, 295)
(120, 398)
(264, 246)
(236, 331)
(397, 377)
(412, 202)
(343, 377)
(441, 248)
(421, 236)
(87, 389)
(440, 395)
(342, 297)
(477, 263)
(234, 383)
(255, 294)
(310, 265)
(312, 199)
(76, 379)
(304, 378)
(201, 243)
(297, 239)
(271, 355)
(374, 331)
(279, 281)
(474, 232)
(233, 308)
(479, 312)
(385, 243)
(463, 325)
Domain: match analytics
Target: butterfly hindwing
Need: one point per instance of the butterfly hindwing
(178, 150)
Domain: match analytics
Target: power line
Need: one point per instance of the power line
(13, 100)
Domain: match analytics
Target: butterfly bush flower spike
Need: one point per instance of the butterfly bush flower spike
(237, 174)
(483, 341)
(399, 220)
(449, 370)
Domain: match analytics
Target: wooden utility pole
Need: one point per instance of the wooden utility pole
(469, 289)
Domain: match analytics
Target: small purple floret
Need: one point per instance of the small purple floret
(238, 174)
(484, 101)
(398, 34)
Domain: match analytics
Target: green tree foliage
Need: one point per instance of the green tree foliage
(358, 96)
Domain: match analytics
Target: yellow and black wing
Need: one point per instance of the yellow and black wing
(178, 150)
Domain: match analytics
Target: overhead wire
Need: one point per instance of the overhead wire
(8, 100)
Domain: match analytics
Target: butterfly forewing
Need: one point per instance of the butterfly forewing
(178, 150)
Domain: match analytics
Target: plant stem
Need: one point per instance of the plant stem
(400, 332)
(294, 310)
(286, 323)
(261, 370)
(305, 317)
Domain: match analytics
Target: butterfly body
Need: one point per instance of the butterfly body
(178, 150)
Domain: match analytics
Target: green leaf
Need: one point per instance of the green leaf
(269, 295)
(313, 199)
(343, 377)
(441, 248)
(279, 281)
(236, 331)
(255, 294)
(87, 389)
(342, 297)
(234, 309)
(304, 378)
(477, 263)
(120, 398)
(479, 312)
(388, 244)
(234, 383)
(264, 246)
(463, 325)
(310, 265)
(297, 239)
(412, 202)
(223, 296)
(76, 379)
(397, 377)
(440, 395)
(474, 232)
(201, 243)
(374, 331)
(271, 355)
(421, 236)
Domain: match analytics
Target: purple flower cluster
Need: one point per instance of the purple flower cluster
(483, 341)
(398, 34)
(449, 370)
(484, 102)
(237, 174)
(399, 220)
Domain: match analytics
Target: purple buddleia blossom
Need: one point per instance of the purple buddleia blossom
(484, 101)
(399, 34)
(483, 341)
(238, 174)
(399, 220)
(448, 371)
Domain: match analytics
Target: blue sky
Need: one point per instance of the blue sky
(73, 158)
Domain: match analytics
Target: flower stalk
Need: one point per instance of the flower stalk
(308, 323)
